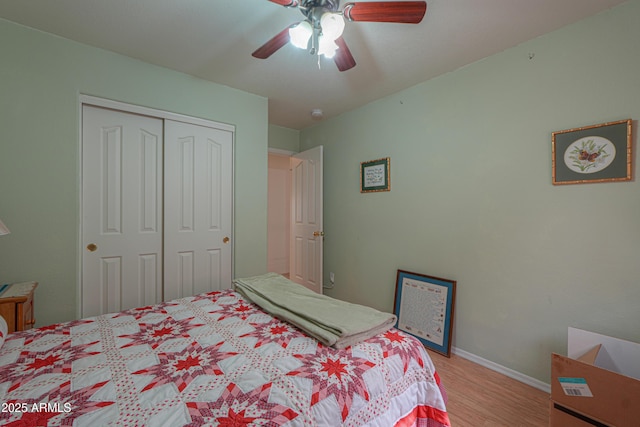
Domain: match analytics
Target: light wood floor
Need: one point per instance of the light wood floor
(481, 397)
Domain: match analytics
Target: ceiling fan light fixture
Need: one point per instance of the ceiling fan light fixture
(300, 34)
(332, 25)
(321, 30)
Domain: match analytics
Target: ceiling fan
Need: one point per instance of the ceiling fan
(321, 29)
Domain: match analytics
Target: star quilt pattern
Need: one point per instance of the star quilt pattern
(211, 360)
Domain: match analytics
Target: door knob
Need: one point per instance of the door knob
(318, 233)
(92, 247)
(225, 240)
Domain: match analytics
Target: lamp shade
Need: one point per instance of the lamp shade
(327, 47)
(332, 25)
(300, 34)
(3, 229)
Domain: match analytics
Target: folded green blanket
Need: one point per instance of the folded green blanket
(332, 322)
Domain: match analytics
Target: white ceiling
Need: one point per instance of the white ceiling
(214, 39)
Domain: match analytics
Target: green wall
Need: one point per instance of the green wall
(41, 78)
(471, 196)
(282, 138)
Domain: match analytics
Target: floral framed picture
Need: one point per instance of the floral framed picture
(375, 175)
(598, 153)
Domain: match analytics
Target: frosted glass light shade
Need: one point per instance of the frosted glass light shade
(327, 47)
(300, 34)
(3, 229)
(332, 25)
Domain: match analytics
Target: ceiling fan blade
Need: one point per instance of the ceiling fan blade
(402, 12)
(286, 3)
(343, 58)
(270, 47)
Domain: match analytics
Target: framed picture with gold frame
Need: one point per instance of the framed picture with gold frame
(375, 175)
(598, 153)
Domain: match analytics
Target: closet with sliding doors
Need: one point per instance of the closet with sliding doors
(156, 206)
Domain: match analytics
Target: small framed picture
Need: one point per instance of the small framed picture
(375, 175)
(598, 153)
(424, 306)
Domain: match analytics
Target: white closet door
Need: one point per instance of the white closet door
(121, 210)
(198, 195)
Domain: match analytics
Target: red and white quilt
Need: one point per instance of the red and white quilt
(216, 360)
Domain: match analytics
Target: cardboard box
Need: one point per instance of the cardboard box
(561, 416)
(586, 390)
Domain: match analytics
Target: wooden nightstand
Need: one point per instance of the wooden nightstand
(16, 306)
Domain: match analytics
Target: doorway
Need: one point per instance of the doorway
(295, 227)
(278, 213)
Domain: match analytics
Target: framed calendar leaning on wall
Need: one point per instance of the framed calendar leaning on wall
(424, 306)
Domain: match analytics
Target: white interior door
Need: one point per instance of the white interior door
(121, 210)
(198, 214)
(306, 219)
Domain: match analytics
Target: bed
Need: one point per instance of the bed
(213, 359)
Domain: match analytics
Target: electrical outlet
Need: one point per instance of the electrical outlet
(332, 277)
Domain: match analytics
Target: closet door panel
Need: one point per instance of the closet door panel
(198, 213)
(121, 210)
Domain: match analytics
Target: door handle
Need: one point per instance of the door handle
(225, 240)
(92, 247)
(318, 233)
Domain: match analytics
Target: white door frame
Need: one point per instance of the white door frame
(145, 111)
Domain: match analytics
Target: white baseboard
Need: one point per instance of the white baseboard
(503, 370)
